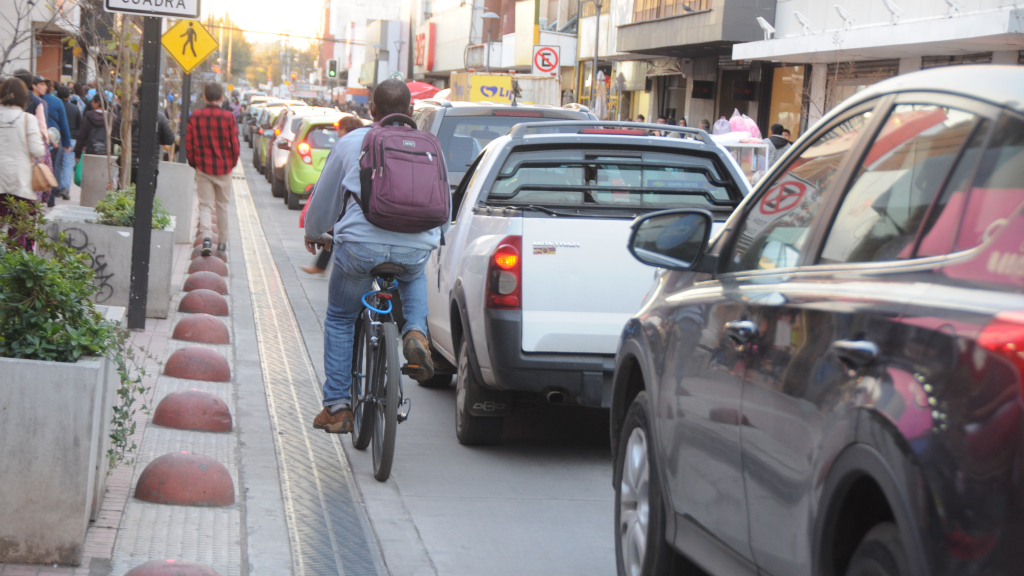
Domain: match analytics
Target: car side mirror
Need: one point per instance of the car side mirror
(284, 145)
(673, 239)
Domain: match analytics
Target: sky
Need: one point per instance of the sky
(300, 17)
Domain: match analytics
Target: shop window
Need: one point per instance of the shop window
(654, 9)
(787, 98)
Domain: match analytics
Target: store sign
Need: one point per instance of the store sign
(744, 90)
(188, 9)
(425, 46)
(703, 90)
(665, 67)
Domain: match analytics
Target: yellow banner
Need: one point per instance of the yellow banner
(488, 88)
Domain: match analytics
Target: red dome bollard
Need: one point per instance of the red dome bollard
(197, 363)
(193, 410)
(186, 479)
(208, 264)
(199, 241)
(205, 279)
(203, 301)
(172, 567)
(202, 328)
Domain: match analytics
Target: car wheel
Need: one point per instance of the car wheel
(277, 188)
(880, 553)
(256, 158)
(640, 547)
(469, 429)
(293, 201)
(269, 172)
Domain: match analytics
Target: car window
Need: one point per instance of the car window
(895, 184)
(295, 124)
(425, 118)
(777, 226)
(462, 137)
(460, 192)
(322, 137)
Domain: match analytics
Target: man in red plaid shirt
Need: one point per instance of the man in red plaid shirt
(211, 145)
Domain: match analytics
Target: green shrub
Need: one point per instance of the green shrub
(118, 209)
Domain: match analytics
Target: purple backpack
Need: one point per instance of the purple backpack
(403, 179)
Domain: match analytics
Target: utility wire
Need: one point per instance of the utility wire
(318, 38)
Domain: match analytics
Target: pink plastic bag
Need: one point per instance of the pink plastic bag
(751, 127)
(736, 121)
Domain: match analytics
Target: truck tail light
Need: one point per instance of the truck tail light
(505, 275)
(277, 132)
(304, 149)
(1004, 337)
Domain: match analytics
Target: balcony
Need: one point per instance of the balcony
(691, 28)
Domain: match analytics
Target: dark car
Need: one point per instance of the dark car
(832, 385)
(464, 128)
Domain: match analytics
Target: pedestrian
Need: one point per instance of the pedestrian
(705, 125)
(66, 170)
(56, 117)
(660, 120)
(345, 125)
(640, 118)
(358, 247)
(777, 145)
(37, 107)
(20, 142)
(164, 136)
(787, 135)
(211, 146)
(92, 133)
(682, 124)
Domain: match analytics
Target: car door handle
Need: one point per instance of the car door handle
(740, 331)
(856, 353)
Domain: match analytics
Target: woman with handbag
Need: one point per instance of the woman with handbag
(20, 144)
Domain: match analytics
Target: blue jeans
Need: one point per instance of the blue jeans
(349, 281)
(66, 170)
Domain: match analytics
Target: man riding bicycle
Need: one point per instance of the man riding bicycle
(359, 246)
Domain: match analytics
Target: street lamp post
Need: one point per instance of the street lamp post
(597, 36)
(489, 16)
(398, 54)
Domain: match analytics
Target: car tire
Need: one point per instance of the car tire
(293, 200)
(880, 553)
(277, 188)
(640, 547)
(255, 158)
(469, 429)
(269, 172)
(437, 381)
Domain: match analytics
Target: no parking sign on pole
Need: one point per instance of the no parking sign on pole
(546, 60)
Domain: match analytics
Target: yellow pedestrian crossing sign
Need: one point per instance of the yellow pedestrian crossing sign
(189, 43)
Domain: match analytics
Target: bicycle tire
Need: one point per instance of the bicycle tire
(362, 363)
(387, 377)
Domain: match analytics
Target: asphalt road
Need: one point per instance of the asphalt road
(541, 502)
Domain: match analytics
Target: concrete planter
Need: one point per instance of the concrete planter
(176, 190)
(96, 179)
(56, 426)
(110, 255)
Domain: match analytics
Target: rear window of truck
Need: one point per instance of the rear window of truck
(463, 137)
(652, 181)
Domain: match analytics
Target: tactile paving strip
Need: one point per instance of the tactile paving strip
(327, 534)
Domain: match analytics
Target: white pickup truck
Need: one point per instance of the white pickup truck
(529, 293)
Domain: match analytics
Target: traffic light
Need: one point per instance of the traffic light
(332, 68)
(295, 75)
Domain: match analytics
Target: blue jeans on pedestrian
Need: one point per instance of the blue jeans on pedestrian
(66, 169)
(349, 281)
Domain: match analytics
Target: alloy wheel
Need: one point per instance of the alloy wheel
(634, 503)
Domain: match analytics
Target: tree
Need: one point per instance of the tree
(19, 21)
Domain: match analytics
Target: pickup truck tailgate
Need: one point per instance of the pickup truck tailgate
(580, 284)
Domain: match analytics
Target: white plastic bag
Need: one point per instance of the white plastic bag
(721, 126)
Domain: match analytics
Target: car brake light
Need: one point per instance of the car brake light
(504, 275)
(277, 132)
(517, 113)
(261, 131)
(1004, 337)
(626, 131)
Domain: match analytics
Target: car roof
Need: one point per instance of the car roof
(999, 85)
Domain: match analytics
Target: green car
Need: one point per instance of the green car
(313, 141)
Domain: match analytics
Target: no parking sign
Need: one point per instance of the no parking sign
(546, 60)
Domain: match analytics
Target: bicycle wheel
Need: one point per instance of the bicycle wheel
(387, 376)
(362, 368)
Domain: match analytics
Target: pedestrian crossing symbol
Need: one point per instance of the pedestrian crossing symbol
(189, 44)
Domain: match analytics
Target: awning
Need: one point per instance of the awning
(421, 90)
(997, 30)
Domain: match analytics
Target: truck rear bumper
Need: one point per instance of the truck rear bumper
(583, 378)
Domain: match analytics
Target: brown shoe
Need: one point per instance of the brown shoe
(338, 423)
(416, 349)
(311, 269)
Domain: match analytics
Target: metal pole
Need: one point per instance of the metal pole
(536, 22)
(146, 181)
(186, 102)
(230, 44)
(488, 46)
(597, 37)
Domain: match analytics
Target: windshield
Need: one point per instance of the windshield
(322, 137)
(657, 181)
(463, 137)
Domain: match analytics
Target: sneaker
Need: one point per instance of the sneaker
(338, 423)
(207, 247)
(63, 193)
(222, 248)
(416, 349)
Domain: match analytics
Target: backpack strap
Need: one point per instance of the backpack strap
(399, 119)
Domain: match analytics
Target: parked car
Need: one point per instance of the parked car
(251, 109)
(833, 384)
(464, 128)
(284, 133)
(530, 290)
(314, 139)
(265, 129)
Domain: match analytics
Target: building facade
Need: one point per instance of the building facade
(41, 30)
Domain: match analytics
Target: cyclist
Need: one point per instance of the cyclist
(358, 247)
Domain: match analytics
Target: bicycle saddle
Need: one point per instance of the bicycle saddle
(388, 270)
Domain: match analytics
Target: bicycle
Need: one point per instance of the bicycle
(378, 402)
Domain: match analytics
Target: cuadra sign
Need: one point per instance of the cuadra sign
(187, 9)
